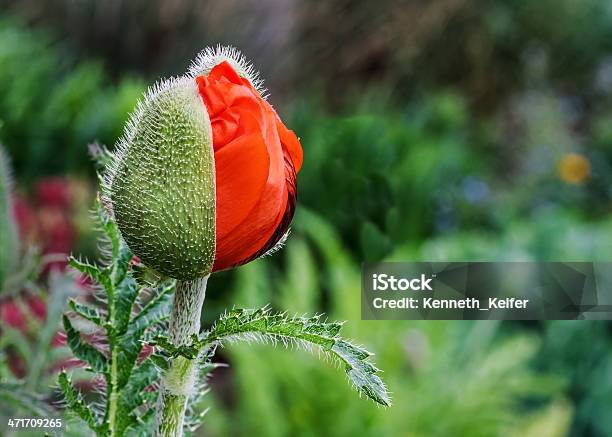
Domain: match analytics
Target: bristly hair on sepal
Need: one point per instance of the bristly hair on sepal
(211, 56)
(113, 159)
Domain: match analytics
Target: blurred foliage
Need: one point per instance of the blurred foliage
(385, 175)
(55, 106)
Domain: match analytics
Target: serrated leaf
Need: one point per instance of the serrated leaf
(125, 296)
(101, 156)
(360, 372)
(155, 310)
(87, 312)
(145, 422)
(160, 361)
(110, 229)
(129, 348)
(90, 270)
(82, 350)
(77, 404)
(133, 395)
(254, 324)
(17, 339)
(122, 264)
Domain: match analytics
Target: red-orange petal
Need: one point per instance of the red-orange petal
(241, 174)
(290, 143)
(252, 213)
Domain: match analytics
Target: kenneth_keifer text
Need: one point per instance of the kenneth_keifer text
(447, 303)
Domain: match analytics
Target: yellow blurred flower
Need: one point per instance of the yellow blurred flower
(574, 168)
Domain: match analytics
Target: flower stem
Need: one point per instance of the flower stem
(180, 378)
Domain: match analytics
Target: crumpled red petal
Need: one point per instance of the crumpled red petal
(256, 160)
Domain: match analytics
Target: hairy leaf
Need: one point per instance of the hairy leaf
(75, 402)
(122, 264)
(100, 155)
(160, 361)
(87, 312)
(92, 271)
(127, 400)
(157, 309)
(143, 376)
(129, 348)
(262, 325)
(110, 229)
(82, 350)
(125, 295)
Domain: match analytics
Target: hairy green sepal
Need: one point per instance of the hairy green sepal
(163, 188)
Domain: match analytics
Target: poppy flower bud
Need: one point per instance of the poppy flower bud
(205, 177)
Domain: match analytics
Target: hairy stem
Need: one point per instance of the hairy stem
(180, 378)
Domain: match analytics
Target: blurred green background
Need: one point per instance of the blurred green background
(436, 131)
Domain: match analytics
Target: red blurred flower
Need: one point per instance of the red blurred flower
(25, 219)
(37, 306)
(12, 315)
(256, 162)
(54, 193)
(48, 225)
(56, 229)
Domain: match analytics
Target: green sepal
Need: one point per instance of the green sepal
(162, 183)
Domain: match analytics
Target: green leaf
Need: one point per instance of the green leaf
(125, 295)
(361, 372)
(82, 350)
(160, 361)
(146, 420)
(122, 264)
(9, 243)
(87, 312)
(129, 348)
(134, 395)
(61, 287)
(101, 156)
(110, 229)
(157, 309)
(92, 271)
(15, 338)
(261, 324)
(77, 404)
(188, 351)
